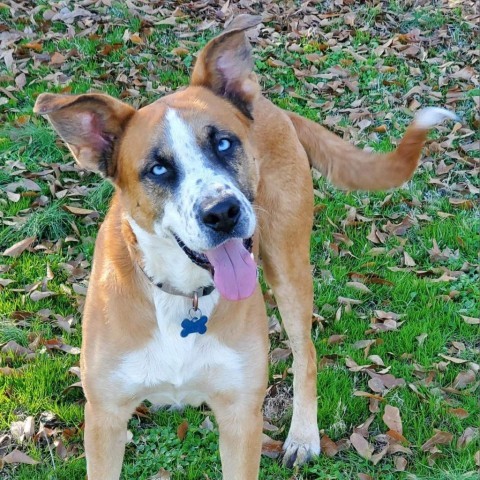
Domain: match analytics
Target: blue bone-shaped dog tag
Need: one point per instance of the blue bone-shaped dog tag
(194, 326)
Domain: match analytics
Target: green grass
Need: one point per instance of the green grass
(30, 149)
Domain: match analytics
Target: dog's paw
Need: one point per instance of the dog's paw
(298, 450)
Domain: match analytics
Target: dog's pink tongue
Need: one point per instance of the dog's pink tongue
(235, 271)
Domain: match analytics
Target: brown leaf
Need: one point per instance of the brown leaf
(57, 344)
(358, 393)
(272, 62)
(7, 371)
(271, 448)
(36, 295)
(361, 445)
(162, 474)
(57, 59)
(136, 39)
(462, 203)
(349, 301)
(336, 339)
(182, 430)
(314, 57)
(21, 81)
(467, 436)
(408, 260)
(471, 320)
(60, 449)
(400, 463)
(19, 247)
(452, 359)
(440, 438)
(19, 457)
(33, 46)
(465, 73)
(463, 379)
(23, 429)
(279, 354)
(180, 51)
(378, 456)
(392, 419)
(329, 447)
(398, 437)
(15, 348)
(359, 286)
(364, 476)
(349, 18)
(78, 210)
(459, 412)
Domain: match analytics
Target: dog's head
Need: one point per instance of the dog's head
(183, 166)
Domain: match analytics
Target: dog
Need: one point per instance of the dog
(207, 179)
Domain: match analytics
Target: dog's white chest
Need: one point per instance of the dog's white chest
(171, 369)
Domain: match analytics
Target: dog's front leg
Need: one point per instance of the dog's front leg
(240, 423)
(105, 439)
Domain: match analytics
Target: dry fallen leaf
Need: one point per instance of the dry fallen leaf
(471, 320)
(78, 210)
(440, 438)
(182, 430)
(329, 447)
(19, 247)
(467, 436)
(18, 457)
(463, 379)
(459, 412)
(162, 474)
(361, 445)
(336, 339)
(400, 463)
(392, 419)
(271, 448)
(36, 295)
(452, 359)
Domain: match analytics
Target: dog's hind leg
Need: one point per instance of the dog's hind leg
(285, 252)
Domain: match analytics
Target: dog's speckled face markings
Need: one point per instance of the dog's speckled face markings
(208, 167)
(196, 174)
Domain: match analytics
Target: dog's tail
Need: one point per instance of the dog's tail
(350, 168)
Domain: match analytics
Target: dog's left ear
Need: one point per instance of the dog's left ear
(225, 65)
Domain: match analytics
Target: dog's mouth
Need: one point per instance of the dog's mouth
(231, 264)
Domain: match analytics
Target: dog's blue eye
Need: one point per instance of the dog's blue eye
(223, 144)
(158, 170)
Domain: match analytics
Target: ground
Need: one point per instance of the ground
(396, 274)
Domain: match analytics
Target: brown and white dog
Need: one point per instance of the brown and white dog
(198, 174)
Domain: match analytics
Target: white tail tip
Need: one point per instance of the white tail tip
(431, 116)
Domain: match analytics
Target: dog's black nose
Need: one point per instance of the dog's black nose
(223, 215)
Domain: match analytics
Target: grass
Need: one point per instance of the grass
(29, 149)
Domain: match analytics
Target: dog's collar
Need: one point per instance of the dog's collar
(197, 323)
(171, 290)
(199, 292)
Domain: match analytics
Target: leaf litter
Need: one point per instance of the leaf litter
(25, 55)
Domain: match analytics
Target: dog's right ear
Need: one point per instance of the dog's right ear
(225, 65)
(90, 125)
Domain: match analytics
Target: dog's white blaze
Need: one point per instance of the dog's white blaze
(199, 181)
(169, 369)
